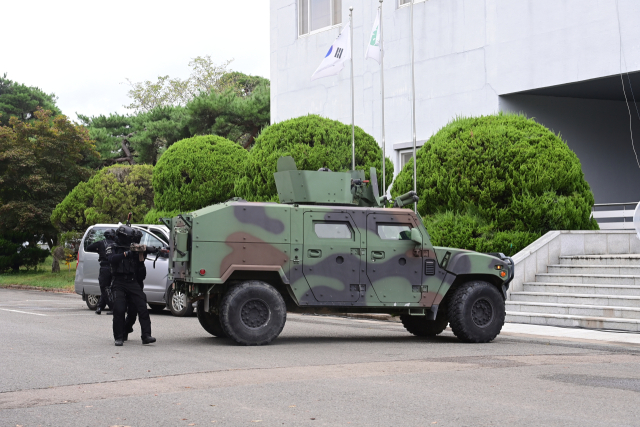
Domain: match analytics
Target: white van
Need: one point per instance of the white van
(157, 287)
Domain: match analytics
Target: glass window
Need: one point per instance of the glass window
(314, 15)
(160, 235)
(333, 230)
(407, 2)
(95, 235)
(405, 156)
(394, 231)
(151, 240)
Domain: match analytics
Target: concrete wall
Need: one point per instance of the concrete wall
(598, 132)
(468, 53)
(549, 248)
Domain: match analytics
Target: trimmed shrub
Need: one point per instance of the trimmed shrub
(107, 198)
(514, 175)
(197, 172)
(313, 142)
(15, 254)
(154, 215)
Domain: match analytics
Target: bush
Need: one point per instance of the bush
(197, 172)
(313, 142)
(515, 175)
(14, 254)
(107, 198)
(154, 215)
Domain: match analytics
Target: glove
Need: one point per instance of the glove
(127, 254)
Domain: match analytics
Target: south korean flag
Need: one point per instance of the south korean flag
(339, 52)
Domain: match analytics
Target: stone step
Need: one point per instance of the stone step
(567, 320)
(626, 259)
(594, 279)
(582, 288)
(574, 309)
(576, 299)
(625, 270)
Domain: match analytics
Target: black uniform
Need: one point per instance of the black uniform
(132, 313)
(125, 288)
(104, 277)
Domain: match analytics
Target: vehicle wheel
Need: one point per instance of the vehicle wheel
(92, 301)
(157, 308)
(253, 313)
(476, 312)
(209, 321)
(178, 304)
(422, 327)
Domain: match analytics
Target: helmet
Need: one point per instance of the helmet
(110, 234)
(125, 235)
(137, 236)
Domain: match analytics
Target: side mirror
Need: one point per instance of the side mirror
(416, 236)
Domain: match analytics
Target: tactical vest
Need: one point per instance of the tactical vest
(127, 266)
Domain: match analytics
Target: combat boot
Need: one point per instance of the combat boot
(119, 343)
(125, 337)
(148, 339)
(98, 310)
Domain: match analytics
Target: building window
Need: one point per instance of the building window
(407, 2)
(405, 156)
(315, 15)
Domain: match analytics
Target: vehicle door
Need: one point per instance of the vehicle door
(331, 256)
(88, 265)
(155, 284)
(393, 269)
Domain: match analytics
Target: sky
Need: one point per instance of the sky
(84, 51)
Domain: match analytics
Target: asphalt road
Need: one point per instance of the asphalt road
(59, 367)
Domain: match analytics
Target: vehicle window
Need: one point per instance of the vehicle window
(333, 230)
(394, 231)
(151, 240)
(95, 235)
(159, 235)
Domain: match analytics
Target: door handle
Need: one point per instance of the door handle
(377, 255)
(314, 253)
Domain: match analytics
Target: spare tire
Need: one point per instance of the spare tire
(209, 321)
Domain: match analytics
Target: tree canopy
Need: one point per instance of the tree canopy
(40, 162)
(107, 198)
(508, 173)
(21, 101)
(313, 142)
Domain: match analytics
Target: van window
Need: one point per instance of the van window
(151, 240)
(95, 235)
(158, 234)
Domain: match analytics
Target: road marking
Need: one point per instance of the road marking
(24, 312)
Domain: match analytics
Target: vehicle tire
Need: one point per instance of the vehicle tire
(178, 304)
(92, 301)
(209, 321)
(253, 313)
(476, 312)
(156, 308)
(420, 326)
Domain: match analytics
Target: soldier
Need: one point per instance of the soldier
(126, 289)
(104, 277)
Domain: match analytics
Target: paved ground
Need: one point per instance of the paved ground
(58, 367)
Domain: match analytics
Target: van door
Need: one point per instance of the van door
(88, 265)
(395, 272)
(331, 256)
(155, 284)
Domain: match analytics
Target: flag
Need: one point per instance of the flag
(338, 54)
(373, 49)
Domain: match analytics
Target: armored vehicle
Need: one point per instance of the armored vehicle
(330, 246)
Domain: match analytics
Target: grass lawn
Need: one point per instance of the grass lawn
(43, 277)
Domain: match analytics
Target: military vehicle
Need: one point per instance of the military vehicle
(330, 246)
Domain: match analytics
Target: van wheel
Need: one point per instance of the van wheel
(92, 301)
(420, 326)
(178, 304)
(253, 313)
(209, 321)
(476, 312)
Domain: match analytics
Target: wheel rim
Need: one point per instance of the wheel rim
(92, 299)
(482, 312)
(178, 301)
(255, 313)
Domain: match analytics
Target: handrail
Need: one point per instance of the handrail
(612, 214)
(614, 204)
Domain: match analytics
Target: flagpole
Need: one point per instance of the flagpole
(353, 129)
(413, 113)
(384, 181)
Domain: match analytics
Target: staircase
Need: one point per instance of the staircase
(573, 289)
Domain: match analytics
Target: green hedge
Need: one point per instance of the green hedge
(313, 142)
(504, 176)
(107, 197)
(197, 172)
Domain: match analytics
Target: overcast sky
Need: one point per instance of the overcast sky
(83, 51)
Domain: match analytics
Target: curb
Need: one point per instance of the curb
(38, 288)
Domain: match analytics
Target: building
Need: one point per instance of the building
(561, 62)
